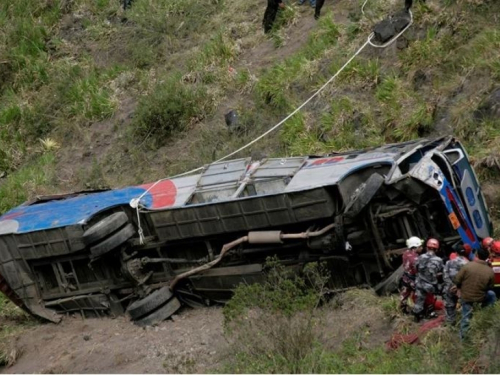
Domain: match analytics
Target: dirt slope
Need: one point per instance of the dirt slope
(190, 343)
(193, 341)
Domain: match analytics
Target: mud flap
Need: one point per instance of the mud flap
(48, 314)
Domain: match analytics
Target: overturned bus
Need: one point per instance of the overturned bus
(190, 240)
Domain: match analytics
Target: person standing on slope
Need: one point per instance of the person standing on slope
(487, 243)
(451, 269)
(270, 14)
(429, 271)
(494, 262)
(408, 278)
(475, 282)
(317, 9)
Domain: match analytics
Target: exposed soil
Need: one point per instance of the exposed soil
(192, 342)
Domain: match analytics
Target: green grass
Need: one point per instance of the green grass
(55, 88)
(274, 88)
(348, 124)
(28, 181)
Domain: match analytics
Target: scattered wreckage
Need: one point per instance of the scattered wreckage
(193, 239)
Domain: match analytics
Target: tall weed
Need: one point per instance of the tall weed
(272, 324)
(172, 107)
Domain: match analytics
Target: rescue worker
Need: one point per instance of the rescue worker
(457, 260)
(317, 9)
(474, 282)
(407, 282)
(127, 4)
(486, 243)
(429, 273)
(270, 14)
(495, 265)
(409, 3)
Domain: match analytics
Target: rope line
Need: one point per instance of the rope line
(269, 130)
(135, 202)
(363, 7)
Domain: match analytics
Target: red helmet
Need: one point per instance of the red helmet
(432, 244)
(495, 247)
(487, 242)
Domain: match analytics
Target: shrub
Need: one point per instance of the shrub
(272, 324)
(171, 108)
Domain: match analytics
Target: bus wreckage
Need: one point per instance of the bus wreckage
(192, 239)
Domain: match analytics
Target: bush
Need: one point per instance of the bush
(272, 324)
(171, 108)
(278, 327)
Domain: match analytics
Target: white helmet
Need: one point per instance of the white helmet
(413, 242)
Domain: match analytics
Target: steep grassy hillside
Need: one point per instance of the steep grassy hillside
(93, 96)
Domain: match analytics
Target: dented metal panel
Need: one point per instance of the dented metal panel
(429, 173)
(273, 168)
(223, 173)
(330, 171)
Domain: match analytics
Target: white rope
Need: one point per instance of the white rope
(135, 202)
(268, 131)
(299, 107)
(363, 7)
(139, 227)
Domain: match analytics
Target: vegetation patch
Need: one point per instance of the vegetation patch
(28, 181)
(171, 108)
(280, 327)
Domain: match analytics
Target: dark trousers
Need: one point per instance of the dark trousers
(409, 3)
(317, 10)
(489, 299)
(270, 15)
(127, 4)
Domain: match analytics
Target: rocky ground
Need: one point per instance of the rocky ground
(192, 342)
